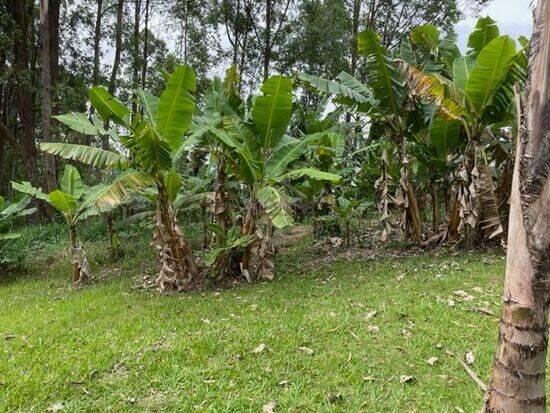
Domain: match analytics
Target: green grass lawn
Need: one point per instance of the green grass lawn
(112, 347)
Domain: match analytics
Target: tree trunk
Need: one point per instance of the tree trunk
(145, 45)
(267, 45)
(97, 40)
(45, 76)
(249, 228)
(136, 57)
(177, 265)
(220, 209)
(519, 367)
(116, 62)
(24, 86)
(80, 268)
(435, 206)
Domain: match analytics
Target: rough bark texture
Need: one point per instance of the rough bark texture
(46, 83)
(97, 39)
(519, 368)
(22, 18)
(178, 269)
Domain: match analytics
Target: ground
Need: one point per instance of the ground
(335, 332)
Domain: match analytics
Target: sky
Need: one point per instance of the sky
(514, 18)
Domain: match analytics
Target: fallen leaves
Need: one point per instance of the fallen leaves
(269, 407)
(306, 350)
(406, 379)
(56, 407)
(432, 360)
(373, 329)
(259, 349)
(370, 314)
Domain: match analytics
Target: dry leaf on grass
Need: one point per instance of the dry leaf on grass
(269, 407)
(259, 349)
(370, 314)
(373, 329)
(307, 351)
(406, 379)
(56, 407)
(432, 360)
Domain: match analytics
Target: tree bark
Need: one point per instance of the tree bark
(145, 45)
(23, 85)
(97, 39)
(46, 83)
(118, 46)
(136, 57)
(267, 45)
(116, 61)
(519, 367)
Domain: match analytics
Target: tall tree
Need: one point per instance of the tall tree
(97, 40)
(22, 12)
(267, 19)
(46, 86)
(118, 46)
(519, 367)
(136, 60)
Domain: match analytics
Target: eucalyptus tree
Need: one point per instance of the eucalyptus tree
(76, 202)
(518, 382)
(150, 137)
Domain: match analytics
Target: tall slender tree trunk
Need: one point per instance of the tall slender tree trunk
(46, 83)
(97, 40)
(145, 45)
(22, 19)
(136, 56)
(519, 367)
(116, 60)
(267, 45)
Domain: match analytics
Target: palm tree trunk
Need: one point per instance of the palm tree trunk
(519, 367)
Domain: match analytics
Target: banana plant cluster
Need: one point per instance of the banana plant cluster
(439, 109)
(250, 143)
(149, 140)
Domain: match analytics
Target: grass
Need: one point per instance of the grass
(111, 347)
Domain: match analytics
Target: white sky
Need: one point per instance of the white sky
(514, 18)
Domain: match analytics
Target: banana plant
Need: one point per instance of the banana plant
(262, 159)
(150, 138)
(385, 100)
(476, 93)
(8, 213)
(76, 202)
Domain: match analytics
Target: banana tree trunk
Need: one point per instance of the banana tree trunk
(411, 223)
(220, 209)
(382, 188)
(178, 269)
(113, 239)
(80, 268)
(249, 228)
(519, 367)
(435, 206)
